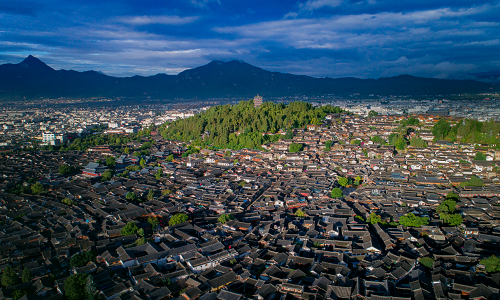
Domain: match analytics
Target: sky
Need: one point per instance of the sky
(320, 38)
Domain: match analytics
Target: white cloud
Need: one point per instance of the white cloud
(167, 20)
(316, 4)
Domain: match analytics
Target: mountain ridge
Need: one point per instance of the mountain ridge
(32, 78)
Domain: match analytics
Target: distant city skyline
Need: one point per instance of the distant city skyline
(319, 38)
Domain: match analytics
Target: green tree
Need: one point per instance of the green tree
(328, 145)
(357, 180)
(426, 262)
(153, 221)
(474, 181)
(401, 144)
(107, 175)
(480, 156)
(74, 287)
(295, 147)
(225, 218)
(227, 154)
(337, 193)
(131, 196)
(37, 188)
(81, 259)
(140, 232)
(126, 150)
(170, 157)
(110, 161)
(151, 195)
(447, 206)
(65, 170)
(288, 134)
(372, 114)
(140, 241)
(158, 174)
(9, 276)
(451, 219)
(142, 163)
(78, 260)
(377, 139)
(418, 142)
(452, 196)
(343, 181)
(411, 220)
(374, 218)
(18, 294)
(177, 219)
(67, 201)
(441, 129)
(26, 276)
(492, 264)
(300, 213)
(129, 229)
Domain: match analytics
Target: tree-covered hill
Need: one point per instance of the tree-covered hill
(242, 125)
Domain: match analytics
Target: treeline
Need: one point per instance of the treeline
(468, 131)
(242, 125)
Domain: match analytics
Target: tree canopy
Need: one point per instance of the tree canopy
(107, 175)
(130, 228)
(480, 156)
(243, 125)
(337, 193)
(374, 218)
(110, 161)
(447, 206)
(300, 213)
(153, 221)
(9, 276)
(411, 220)
(225, 217)
(426, 262)
(37, 188)
(74, 287)
(131, 196)
(26, 276)
(67, 169)
(473, 181)
(343, 181)
(451, 219)
(441, 129)
(492, 264)
(177, 219)
(295, 147)
(81, 259)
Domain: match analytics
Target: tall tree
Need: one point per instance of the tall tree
(26, 276)
(74, 287)
(9, 276)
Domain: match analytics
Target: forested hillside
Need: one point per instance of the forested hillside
(468, 131)
(242, 126)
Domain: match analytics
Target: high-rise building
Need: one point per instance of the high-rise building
(257, 101)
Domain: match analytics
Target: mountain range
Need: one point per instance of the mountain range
(32, 78)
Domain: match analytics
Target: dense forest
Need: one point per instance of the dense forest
(468, 131)
(244, 126)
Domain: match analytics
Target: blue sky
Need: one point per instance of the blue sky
(334, 38)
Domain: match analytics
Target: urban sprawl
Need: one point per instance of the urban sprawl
(388, 199)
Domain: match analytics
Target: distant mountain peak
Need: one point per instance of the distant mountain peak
(34, 63)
